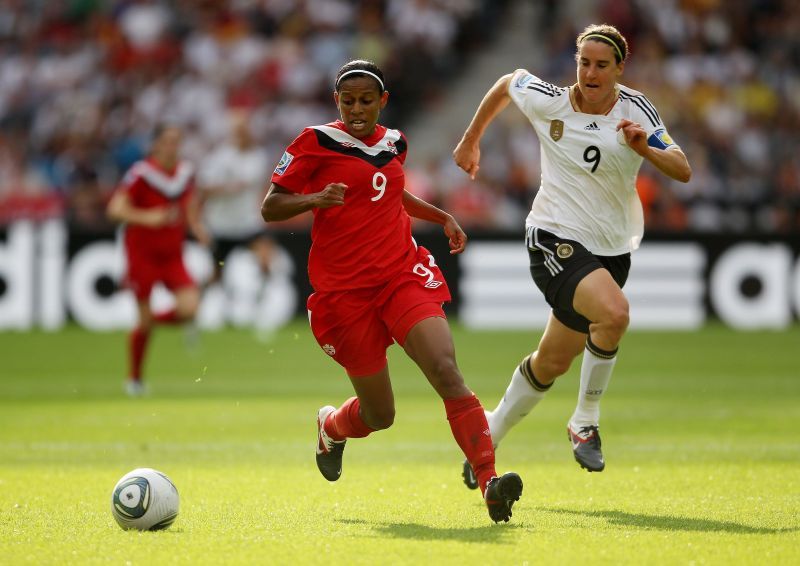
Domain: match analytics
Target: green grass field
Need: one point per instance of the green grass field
(699, 431)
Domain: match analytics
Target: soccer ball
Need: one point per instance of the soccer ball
(145, 499)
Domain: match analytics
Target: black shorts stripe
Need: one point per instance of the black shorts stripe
(550, 261)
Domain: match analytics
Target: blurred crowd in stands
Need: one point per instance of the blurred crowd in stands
(83, 82)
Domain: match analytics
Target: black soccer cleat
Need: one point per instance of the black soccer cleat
(586, 447)
(329, 451)
(469, 476)
(501, 493)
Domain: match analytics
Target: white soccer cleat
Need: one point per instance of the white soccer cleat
(135, 388)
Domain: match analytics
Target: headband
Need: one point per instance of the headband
(361, 72)
(608, 40)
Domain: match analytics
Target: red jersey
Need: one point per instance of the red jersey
(148, 185)
(367, 241)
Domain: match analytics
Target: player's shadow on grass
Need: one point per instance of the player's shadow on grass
(671, 523)
(415, 531)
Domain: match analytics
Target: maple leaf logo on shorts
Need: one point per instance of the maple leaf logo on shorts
(328, 349)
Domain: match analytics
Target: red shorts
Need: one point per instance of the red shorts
(144, 272)
(356, 327)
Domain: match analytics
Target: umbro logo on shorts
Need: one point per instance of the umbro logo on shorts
(433, 284)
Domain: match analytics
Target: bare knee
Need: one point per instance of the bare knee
(447, 380)
(620, 317)
(615, 322)
(189, 312)
(379, 418)
(146, 320)
(187, 304)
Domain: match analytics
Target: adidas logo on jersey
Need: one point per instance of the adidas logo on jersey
(592, 126)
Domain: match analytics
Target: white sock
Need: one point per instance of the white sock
(596, 371)
(519, 399)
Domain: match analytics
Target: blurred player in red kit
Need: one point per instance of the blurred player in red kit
(373, 285)
(156, 201)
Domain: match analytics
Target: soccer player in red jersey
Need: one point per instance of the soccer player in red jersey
(373, 285)
(156, 201)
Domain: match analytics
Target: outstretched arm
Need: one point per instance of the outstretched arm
(282, 204)
(467, 154)
(671, 161)
(418, 208)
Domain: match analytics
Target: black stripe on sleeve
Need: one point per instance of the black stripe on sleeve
(646, 102)
(650, 105)
(649, 113)
(543, 91)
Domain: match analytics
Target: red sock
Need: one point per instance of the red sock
(471, 431)
(345, 422)
(137, 345)
(167, 317)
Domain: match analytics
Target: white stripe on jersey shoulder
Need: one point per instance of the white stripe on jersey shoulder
(170, 187)
(344, 138)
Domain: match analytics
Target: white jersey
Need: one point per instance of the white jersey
(238, 214)
(588, 185)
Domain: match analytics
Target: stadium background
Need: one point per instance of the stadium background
(82, 82)
(703, 467)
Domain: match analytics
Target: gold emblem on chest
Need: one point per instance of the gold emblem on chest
(556, 129)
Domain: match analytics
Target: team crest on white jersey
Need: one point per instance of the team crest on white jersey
(556, 129)
(283, 164)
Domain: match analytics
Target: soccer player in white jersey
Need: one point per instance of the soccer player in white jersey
(585, 221)
(231, 183)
